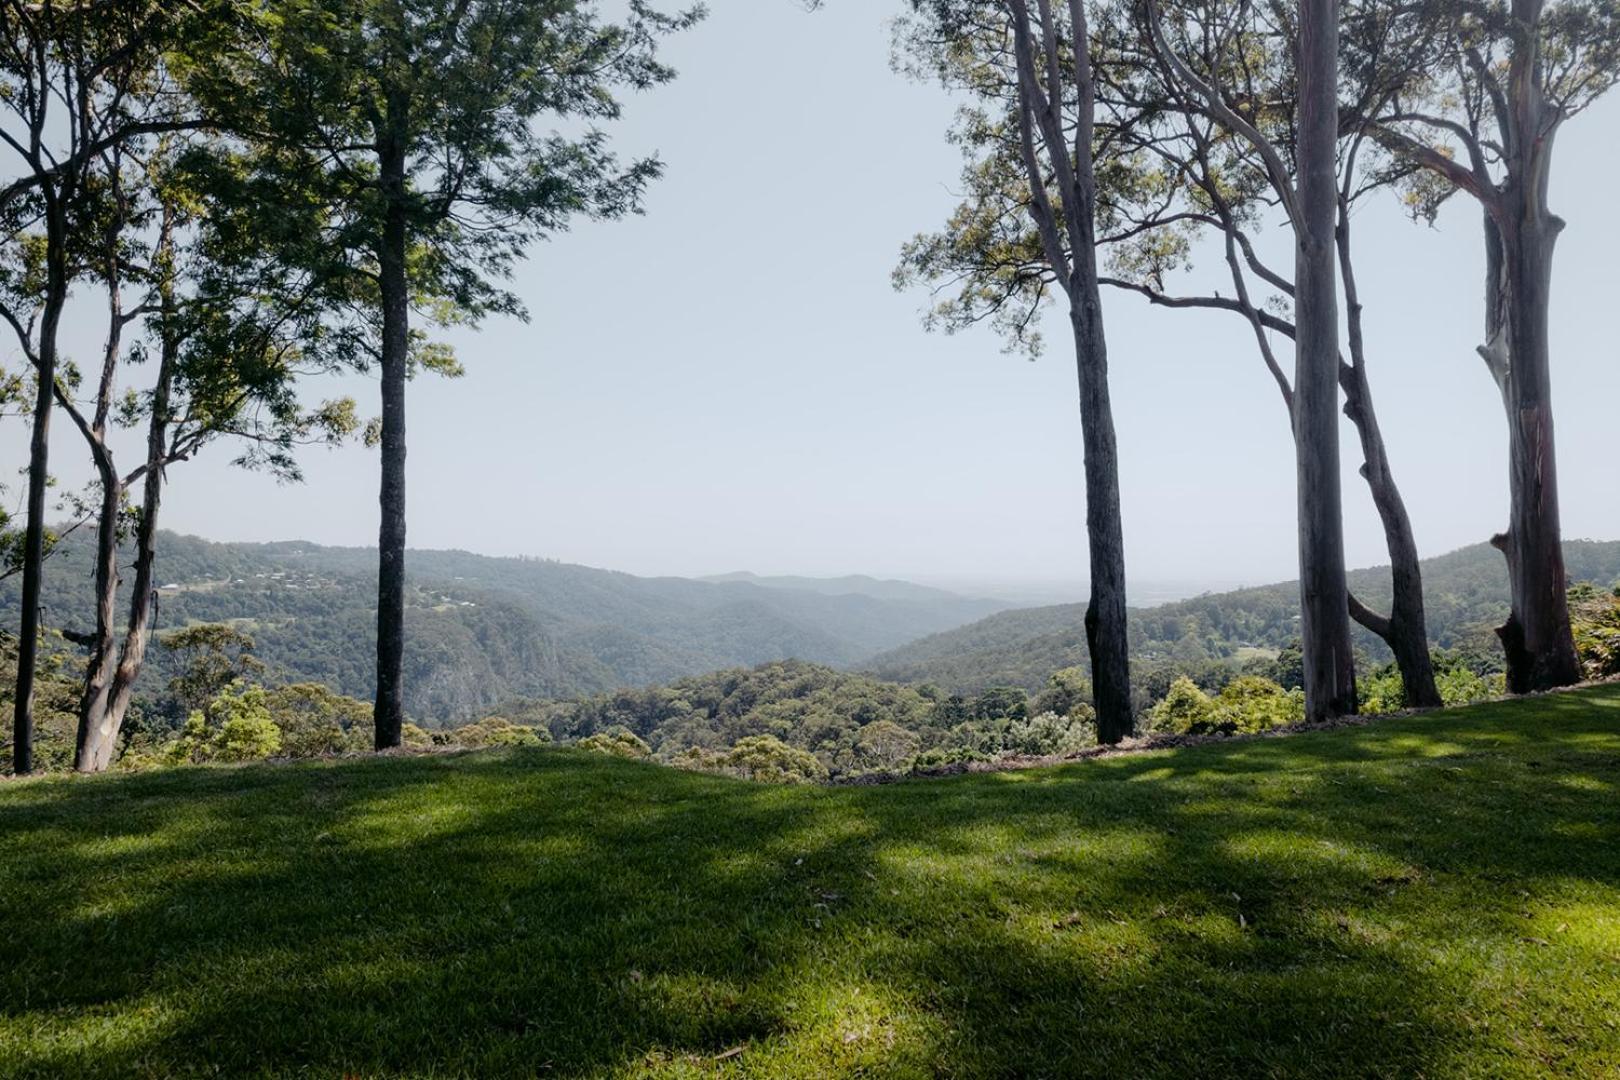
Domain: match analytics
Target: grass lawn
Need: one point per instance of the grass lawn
(1432, 896)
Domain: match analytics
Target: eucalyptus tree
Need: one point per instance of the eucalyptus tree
(1187, 172)
(1306, 187)
(68, 70)
(1028, 227)
(1489, 85)
(419, 126)
(226, 352)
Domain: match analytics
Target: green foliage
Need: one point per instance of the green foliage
(485, 633)
(1595, 618)
(499, 731)
(1185, 710)
(414, 737)
(1050, 734)
(495, 110)
(211, 657)
(1461, 677)
(1250, 704)
(1465, 593)
(769, 760)
(620, 742)
(1066, 691)
(1245, 705)
(236, 727)
(315, 720)
(58, 681)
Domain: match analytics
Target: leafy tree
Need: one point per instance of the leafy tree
(212, 656)
(67, 72)
(1066, 691)
(228, 356)
(1596, 618)
(499, 731)
(315, 720)
(235, 727)
(1029, 225)
(1212, 151)
(415, 125)
(883, 745)
(56, 695)
(1050, 734)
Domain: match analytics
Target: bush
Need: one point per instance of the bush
(1595, 619)
(620, 742)
(499, 731)
(770, 760)
(316, 720)
(943, 757)
(1250, 704)
(236, 727)
(1184, 710)
(1049, 734)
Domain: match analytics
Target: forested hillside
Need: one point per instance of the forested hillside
(483, 630)
(1466, 593)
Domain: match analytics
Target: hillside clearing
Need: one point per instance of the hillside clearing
(1435, 895)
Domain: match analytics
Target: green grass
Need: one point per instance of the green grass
(1435, 896)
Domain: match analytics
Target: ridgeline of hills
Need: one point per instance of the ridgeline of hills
(1466, 590)
(484, 630)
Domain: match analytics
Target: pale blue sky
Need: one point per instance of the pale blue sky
(730, 382)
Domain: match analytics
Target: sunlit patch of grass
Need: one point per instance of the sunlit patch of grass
(1434, 895)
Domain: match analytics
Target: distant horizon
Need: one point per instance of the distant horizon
(1034, 591)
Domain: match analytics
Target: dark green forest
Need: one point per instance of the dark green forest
(1465, 592)
(484, 630)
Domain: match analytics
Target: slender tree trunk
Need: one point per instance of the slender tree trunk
(99, 672)
(1330, 682)
(1406, 630)
(99, 731)
(1106, 615)
(390, 703)
(39, 449)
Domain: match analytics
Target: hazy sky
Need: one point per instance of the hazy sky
(730, 382)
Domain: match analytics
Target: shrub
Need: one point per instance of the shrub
(1595, 619)
(770, 760)
(620, 742)
(315, 720)
(942, 757)
(499, 731)
(1049, 734)
(1251, 704)
(1184, 710)
(236, 727)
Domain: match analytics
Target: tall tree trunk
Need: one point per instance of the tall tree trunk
(99, 730)
(39, 449)
(1106, 630)
(390, 704)
(1406, 630)
(1520, 235)
(1330, 682)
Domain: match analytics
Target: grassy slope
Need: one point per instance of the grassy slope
(1435, 896)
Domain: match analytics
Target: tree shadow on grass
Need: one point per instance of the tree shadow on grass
(1335, 904)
